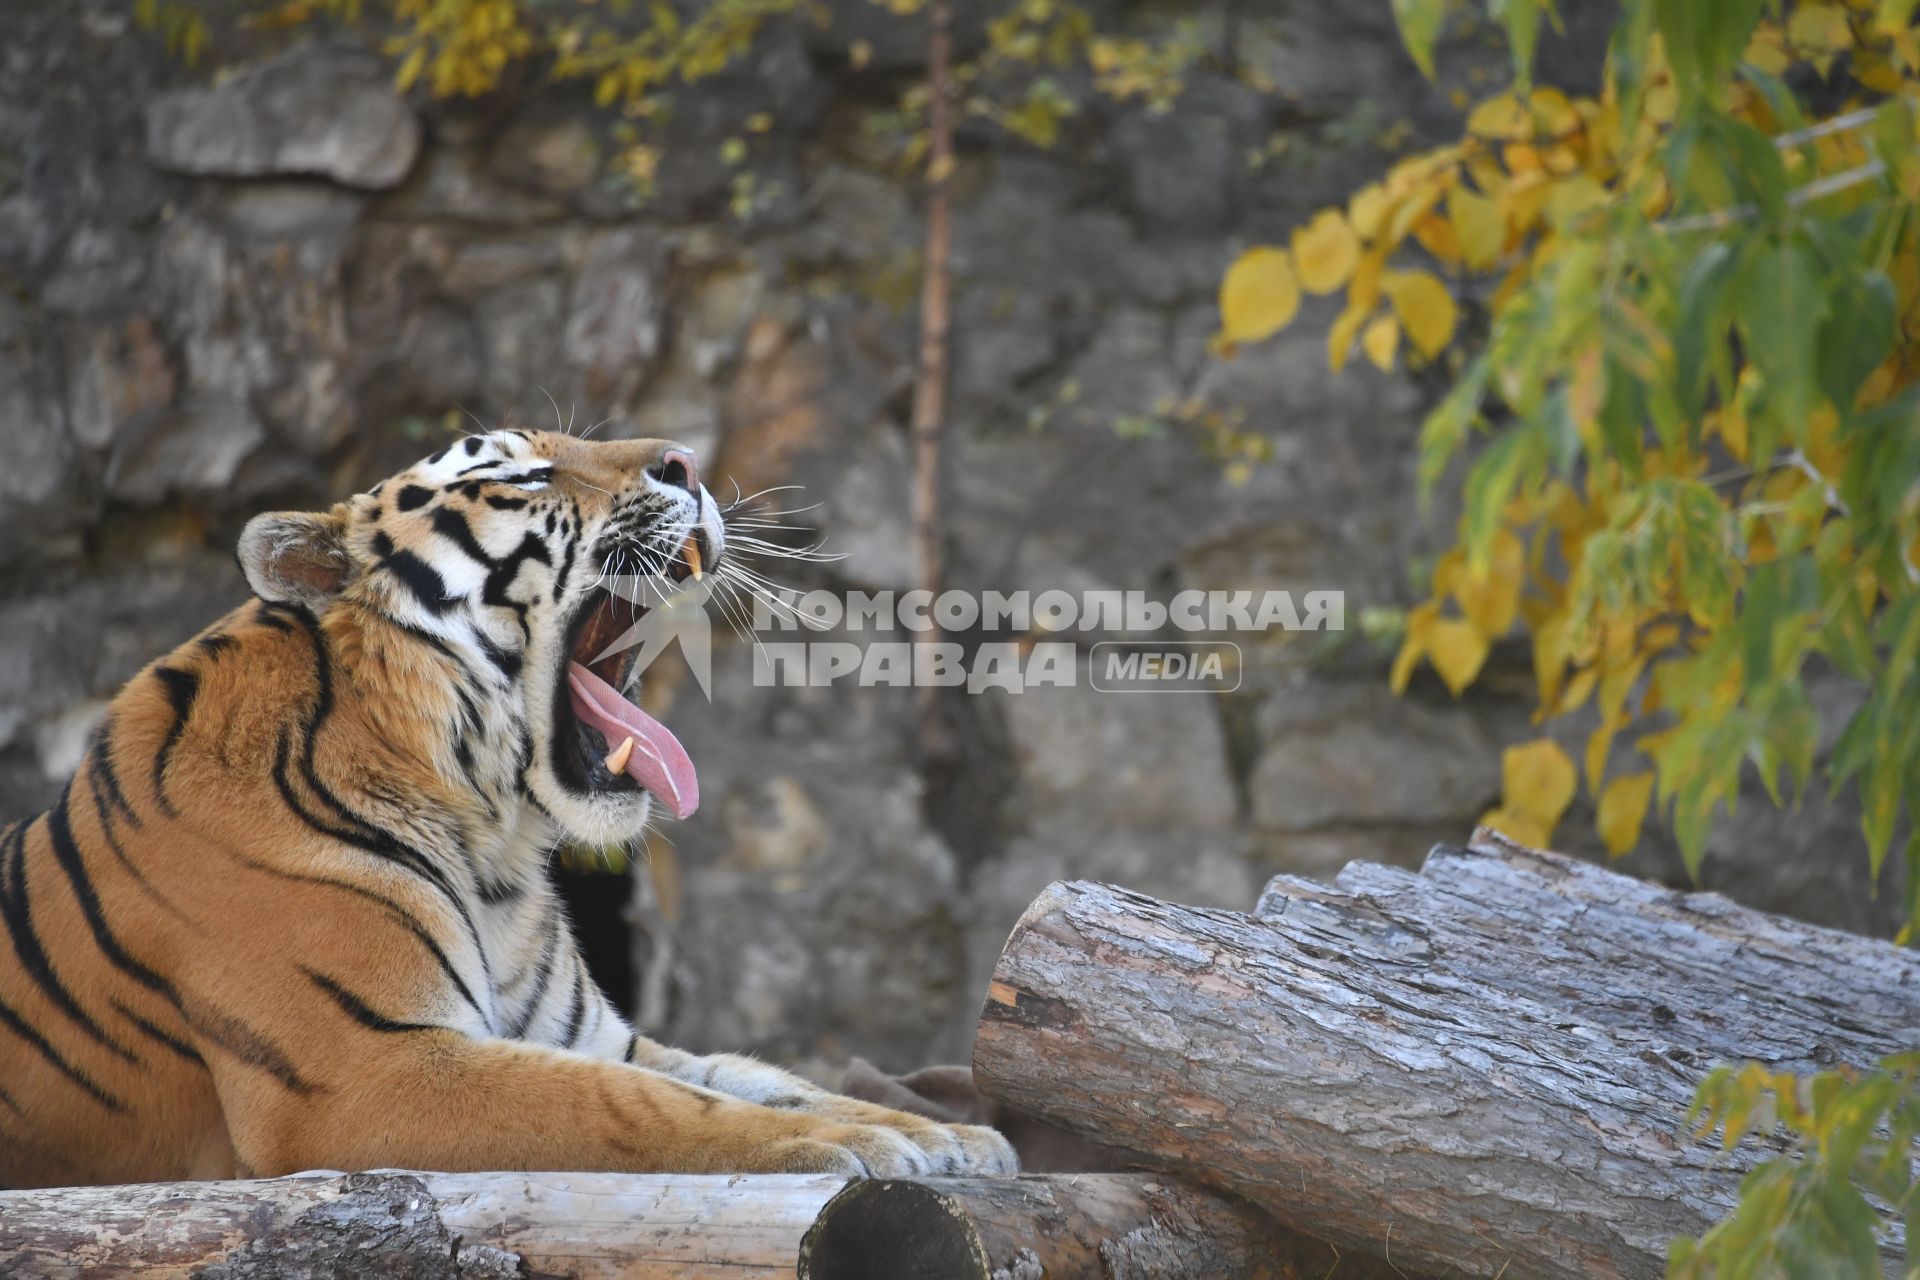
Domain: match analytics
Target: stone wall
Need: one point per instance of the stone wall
(271, 284)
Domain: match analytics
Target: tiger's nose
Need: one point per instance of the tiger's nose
(678, 470)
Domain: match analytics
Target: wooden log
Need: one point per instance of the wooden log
(426, 1226)
(1112, 1226)
(1482, 1067)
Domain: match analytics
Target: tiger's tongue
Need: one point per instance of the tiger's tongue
(659, 763)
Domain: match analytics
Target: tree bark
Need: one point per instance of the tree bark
(1482, 1067)
(936, 315)
(1111, 1226)
(425, 1226)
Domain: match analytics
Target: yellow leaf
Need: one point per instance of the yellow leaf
(1325, 252)
(1550, 653)
(1553, 115)
(1425, 308)
(1587, 389)
(1436, 236)
(1418, 203)
(1363, 291)
(1622, 810)
(1618, 682)
(1536, 779)
(1662, 102)
(1259, 296)
(1599, 744)
(1366, 210)
(1340, 336)
(1489, 594)
(1820, 28)
(1381, 340)
(1520, 827)
(1765, 50)
(1578, 689)
(1501, 118)
(1572, 198)
(1478, 226)
(410, 69)
(1413, 646)
(1458, 651)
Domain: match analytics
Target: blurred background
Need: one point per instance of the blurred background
(243, 270)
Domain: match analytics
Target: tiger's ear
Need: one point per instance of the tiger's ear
(297, 557)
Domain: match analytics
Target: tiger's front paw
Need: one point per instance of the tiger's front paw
(953, 1148)
(968, 1148)
(885, 1151)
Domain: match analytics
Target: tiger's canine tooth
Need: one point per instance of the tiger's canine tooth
(693, 557)
(617, 758)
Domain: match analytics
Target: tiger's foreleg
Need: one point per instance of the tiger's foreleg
(438, 1099)
(952, 1148)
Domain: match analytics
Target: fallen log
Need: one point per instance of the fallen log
(1110, 1226)
(427, 1226)
(1484, 1067)
(596, 1226)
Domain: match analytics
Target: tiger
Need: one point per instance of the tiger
(292, 911)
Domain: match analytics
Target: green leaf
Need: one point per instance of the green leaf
(1492, 481)
(1445, 429)
(1855, 337)
(1703, 322)
(1522, 21)
(1420, 22)
(1778, 307)
(1758, 170)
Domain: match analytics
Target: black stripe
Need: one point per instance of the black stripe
(370, 839)
(478, 466)
(548, 953)
(104, 814)
(495, 592)
(361, 833)
(16, 911)
(267, 615)
(421, 580)
(154, 1033)
(6, 1099)
(566, 568)
(400, 915)
(358, 1010)
(539, 475)
(506, 660)
(633, 1045)
(413, 497)
(103, 769)
(495, 892)
(249, 1046)
(18, 1025)
(500, 502)
(215, 645)
(182, 687)
(453, 526)
(579, 1008)
(67, 854)
(473, 444)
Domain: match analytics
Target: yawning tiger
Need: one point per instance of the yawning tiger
(292, 911)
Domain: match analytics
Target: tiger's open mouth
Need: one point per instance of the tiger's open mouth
(602, 740)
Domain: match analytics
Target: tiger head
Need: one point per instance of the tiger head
(506, 553)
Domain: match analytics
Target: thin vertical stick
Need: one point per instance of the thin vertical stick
(936, 310)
